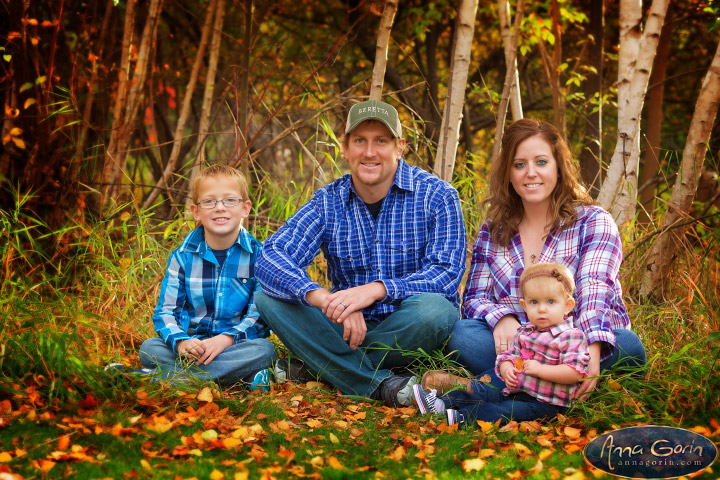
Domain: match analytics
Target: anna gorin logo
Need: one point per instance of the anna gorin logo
(650, 452)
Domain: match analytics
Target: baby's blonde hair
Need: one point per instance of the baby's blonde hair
(219, 170)
(548, 270)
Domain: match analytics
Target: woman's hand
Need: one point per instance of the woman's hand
(504, 332)
(587, 386)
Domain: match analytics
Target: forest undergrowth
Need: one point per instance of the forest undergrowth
(77, 298)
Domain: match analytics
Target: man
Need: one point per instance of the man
(394, 240)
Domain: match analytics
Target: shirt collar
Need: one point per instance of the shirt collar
(555, 330)
(195, 242)
(404, 180)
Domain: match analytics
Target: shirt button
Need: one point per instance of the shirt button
(244, 280)
(220, 294)
(378, 270)
(377, 241)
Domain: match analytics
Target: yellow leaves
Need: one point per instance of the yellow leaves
(5, 457)
(14, 136)
(43, 465)
(216, 475)
(572, 432)
(205, 395)
(333, 438)
(335, 463)
(474, 464)
(313, 423)
(398, 454)
(485, 426)
(522, 449)
(613, 385)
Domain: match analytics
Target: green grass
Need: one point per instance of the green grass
(73, 299)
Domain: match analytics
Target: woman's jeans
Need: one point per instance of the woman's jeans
(236, 363)
(421, 322)
(473, 341)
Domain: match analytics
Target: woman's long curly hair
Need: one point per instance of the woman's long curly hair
(504, 208)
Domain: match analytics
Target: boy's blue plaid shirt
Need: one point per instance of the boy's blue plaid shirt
(417, 245)
(200, 299)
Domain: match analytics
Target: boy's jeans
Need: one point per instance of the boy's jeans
(232, 365)
(422, 321)
(487, 403)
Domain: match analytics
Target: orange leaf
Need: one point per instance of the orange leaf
(473, 464)
(545, 454)
(335, 463)
(31, 21)
(19, 142)
(216, 475)
(44, 465)
(522, 449)
(313, 423)
(89, 402)
(205, 395)
(5, 457)
(572, 432)
(571, 448)
(64, 442)
(519, 363)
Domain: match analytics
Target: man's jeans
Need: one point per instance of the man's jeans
(421, 322)
(473, 340)
(489, 404)
(236, 363)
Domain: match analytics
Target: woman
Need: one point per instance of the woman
(539, 212)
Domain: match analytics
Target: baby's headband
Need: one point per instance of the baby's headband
(554, 273)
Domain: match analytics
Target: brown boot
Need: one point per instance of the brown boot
(443, 381)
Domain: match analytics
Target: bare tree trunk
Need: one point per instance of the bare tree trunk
(208, 94)
(185, 110)
(452, 115)
(651, 165)
(552, 66)
(244, 93)
(666, 246)
(505, 32)
(502, 108)
(381, 50)
(591, 156)
(637, 53)
(120, 101)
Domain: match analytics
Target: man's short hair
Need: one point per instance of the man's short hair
(219, 170)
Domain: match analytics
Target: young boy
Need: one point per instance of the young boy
(541, 371)
(206, 319)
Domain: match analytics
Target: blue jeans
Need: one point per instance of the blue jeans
(487, 403)
(473, 340)
(236, 363)
(422, 321)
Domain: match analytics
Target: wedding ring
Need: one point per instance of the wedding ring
(343, 304)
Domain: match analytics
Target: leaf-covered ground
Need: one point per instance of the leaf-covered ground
(292, 431)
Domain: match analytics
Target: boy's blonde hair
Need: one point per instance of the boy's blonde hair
(548, 270)
(219, 170)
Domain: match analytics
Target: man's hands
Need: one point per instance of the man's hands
(345, 307)
(202, 352)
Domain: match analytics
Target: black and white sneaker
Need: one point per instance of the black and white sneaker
(396, 389)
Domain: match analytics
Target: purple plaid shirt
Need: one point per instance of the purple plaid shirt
(590, 249)
(560, 344)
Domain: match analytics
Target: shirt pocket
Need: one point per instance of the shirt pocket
(238, 296)
(408, 254)
(348, 256)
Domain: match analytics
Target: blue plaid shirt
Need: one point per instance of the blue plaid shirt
(200, 299)
(416, 245)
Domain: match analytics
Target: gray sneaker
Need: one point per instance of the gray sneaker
(396, 389)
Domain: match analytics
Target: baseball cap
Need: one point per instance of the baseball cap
(374, 110)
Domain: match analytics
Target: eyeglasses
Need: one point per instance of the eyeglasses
(211, 203)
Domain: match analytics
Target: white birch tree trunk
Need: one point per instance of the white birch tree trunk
(459, 67)
(618, 193)
(381, 49)
(666, 246)
(506, 33)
